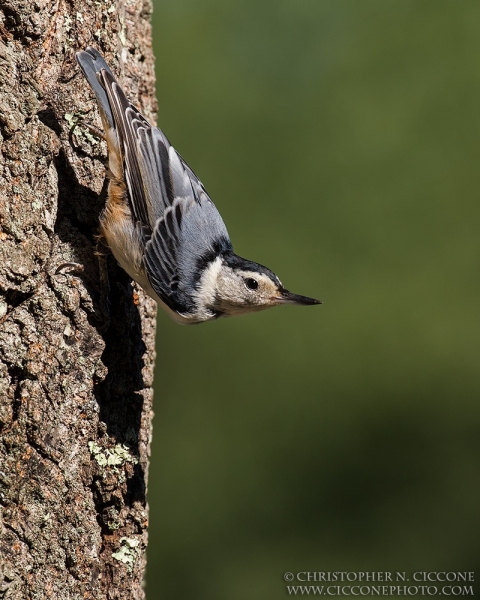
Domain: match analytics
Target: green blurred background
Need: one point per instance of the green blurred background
(340, 141)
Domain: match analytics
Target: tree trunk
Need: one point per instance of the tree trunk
(75, 379)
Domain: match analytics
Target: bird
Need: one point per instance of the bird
(160, 223)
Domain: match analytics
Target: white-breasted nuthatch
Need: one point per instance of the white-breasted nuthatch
(160, 223)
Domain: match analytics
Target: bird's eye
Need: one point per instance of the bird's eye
(252, 284)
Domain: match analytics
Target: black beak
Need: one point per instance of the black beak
(287, 297)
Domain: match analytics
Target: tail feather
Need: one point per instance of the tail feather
(92, 62)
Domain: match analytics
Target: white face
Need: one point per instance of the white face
(226, 291)
(240, 292)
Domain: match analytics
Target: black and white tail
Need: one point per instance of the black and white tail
(92, 62)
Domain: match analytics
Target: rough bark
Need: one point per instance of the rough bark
(75, 388)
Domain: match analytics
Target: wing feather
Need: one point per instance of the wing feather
(183, 228)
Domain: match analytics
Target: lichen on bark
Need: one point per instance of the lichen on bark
(75, 388)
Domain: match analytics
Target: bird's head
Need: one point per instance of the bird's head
(235, 286)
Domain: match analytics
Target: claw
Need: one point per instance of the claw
(69, 265)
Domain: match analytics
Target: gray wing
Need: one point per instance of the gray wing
(185, 240)
(183, 229)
